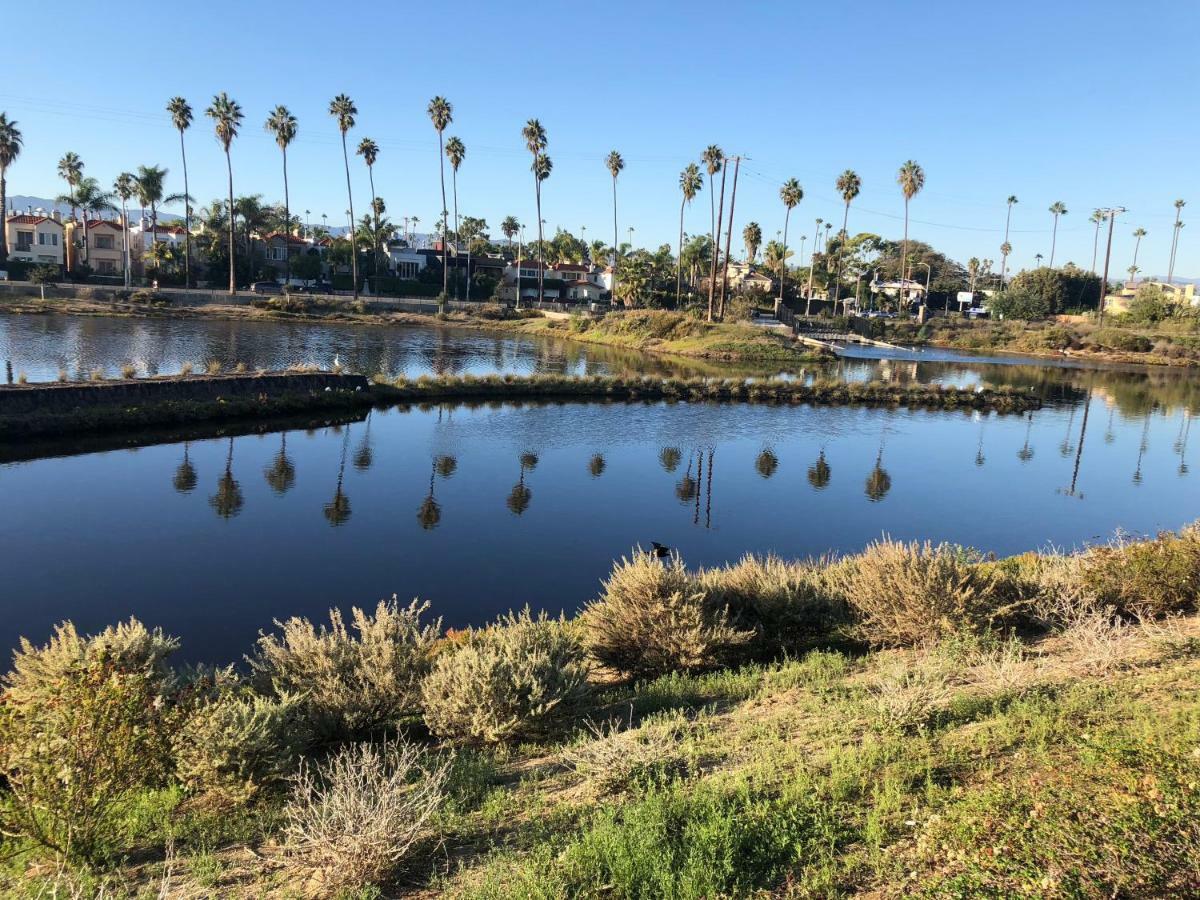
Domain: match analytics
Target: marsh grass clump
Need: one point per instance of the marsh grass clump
(351, 682)
(213, 367)
(906, 595)
(233, 742)
(788, 605)
(96, 375)
(63, 376)
(352, 821)
(655, 617)
(128, 371)
(186, 369)
(518, 679)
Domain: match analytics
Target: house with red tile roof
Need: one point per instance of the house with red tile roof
(36, 238)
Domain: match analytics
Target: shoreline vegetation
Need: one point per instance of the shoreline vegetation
(911, 720)
(119, 412)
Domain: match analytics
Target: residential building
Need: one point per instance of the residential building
(279, 247)
(36, 237)
(406, 262)
(742, 278)
(105, 253)
(1182, 294)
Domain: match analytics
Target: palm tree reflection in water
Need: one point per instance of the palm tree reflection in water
(337, 511)
(185, 475)
(228, 500)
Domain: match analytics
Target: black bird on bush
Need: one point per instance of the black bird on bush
(658, 551)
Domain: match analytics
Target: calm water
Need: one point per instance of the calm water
(481, 509)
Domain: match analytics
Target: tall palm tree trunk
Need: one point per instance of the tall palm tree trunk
(837, 285)
(537, 184)
(679, 266)
(1174, 250)
(353, 237)
(124, 237)
(187, 214)
(737, 163)
(445, 248)
(3, 215)
(1053, 240)
(375, 214)
(904, 255)
(812, 258)
(287, 229)
(232, 239)
(783, 262)
(716, 250)
(454, 186)
(1136, 246)
(616, 250)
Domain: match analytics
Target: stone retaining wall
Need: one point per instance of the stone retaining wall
(17, 400)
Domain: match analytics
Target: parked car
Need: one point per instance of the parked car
(266, 287)
(317, 287)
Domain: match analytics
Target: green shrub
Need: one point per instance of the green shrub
(38, 673)
(1146, 578)
(654, 618)
(351, 683)
(787, 605)
(614, 758)
(514, 680)
(1122, 341)
(76, 750)
(905, 595)
(234, 742)
(45, 274)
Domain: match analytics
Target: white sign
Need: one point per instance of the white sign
(966, 297)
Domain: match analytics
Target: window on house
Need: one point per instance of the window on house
(24, 240)
(42, 237)
(104, 242)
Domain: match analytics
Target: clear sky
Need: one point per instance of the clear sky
(1092, 103)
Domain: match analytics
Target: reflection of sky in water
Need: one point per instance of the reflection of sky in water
(479, 510)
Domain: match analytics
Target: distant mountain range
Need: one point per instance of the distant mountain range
(21, 203)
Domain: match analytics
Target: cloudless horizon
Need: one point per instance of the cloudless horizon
(1092, 104)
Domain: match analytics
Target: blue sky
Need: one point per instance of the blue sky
(1091, 103)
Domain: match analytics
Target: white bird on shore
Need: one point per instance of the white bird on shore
(337, 363)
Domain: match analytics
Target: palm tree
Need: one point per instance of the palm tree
(911, 179)
(791, 194)
(343, 109)
(1179, 205)
(614, 163)
(185, 478)
(181, 118)
(812, 264)
(714, 162)
(848, 185)
(149, 186)
(369, 151)
(70, 170)
(91, 199)
(10, 149)
(691, 182)
(281, 474)
(227, 118)
(1011, 201)
(1039, 258)
(282, 124)
(1096, 218)
(1057, 208)
(456, 152)
(125, 187)
(1138, 235)
(441, 114)
(228, 500)
(752, 237)
(819, 473)
(535, 141)
(510, 228)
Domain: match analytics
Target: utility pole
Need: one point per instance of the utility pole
(737, 164)
(1112, 215)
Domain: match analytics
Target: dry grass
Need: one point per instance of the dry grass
(354, 819)
(213, 367)
(128, 371)
(616, 757)
(186, 369)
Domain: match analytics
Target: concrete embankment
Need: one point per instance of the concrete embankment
(46, 409)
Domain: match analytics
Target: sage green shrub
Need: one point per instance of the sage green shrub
(520, 678)
(350, 682)
(788, 605)
(1145, 579)
(655, 617)
(234, 742)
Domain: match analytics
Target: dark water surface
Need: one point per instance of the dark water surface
(481, 509)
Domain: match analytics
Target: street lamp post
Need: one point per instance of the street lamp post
(928, 273)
